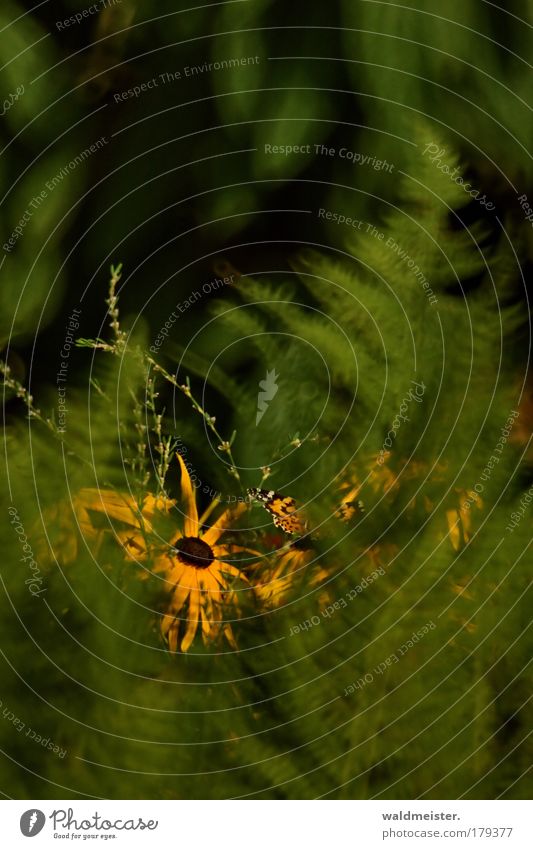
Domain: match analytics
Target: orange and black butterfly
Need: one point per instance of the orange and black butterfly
(283, 509)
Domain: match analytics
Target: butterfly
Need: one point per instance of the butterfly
(283, 510)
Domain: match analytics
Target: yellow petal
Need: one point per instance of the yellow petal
(453, 519)
(166, 623)
(179, 597)
(210, 606)
(190, 525)
(214, 571)
(228, 569)
(173, 637)
(211, 586)
(222, 552)
(153, 505)
(115, 505)
(206, 624)
(167, 564)
(229, 636)
(193, 616)
(319, 576)
(214, 586)
(223, 523)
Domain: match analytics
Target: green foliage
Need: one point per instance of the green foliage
(413, 311)
(322, 711)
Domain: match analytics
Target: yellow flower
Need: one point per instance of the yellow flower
(374, 474)
(196, 566)
(459, 518)
(273, 585)
(95, 514)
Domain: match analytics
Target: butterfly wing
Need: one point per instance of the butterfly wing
(283, 509)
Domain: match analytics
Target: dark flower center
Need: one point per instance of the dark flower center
(195, 552)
